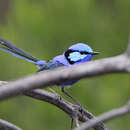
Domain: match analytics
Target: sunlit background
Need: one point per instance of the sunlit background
(45, 29)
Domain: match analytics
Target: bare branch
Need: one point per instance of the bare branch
(99, 67)
(105, 117)
(4, 125)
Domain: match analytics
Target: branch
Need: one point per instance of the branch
(4, 125)
(62, 104)
(115, 64)
(105, 117)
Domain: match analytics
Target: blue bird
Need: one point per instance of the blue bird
(75, 54)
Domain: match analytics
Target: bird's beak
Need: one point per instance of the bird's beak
(95, 53)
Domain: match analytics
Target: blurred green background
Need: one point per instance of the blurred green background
(45, 29)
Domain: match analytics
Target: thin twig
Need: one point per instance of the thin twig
(105, 117)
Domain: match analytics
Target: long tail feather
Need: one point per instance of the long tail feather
(14, 50)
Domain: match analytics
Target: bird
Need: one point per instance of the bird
(75, 54)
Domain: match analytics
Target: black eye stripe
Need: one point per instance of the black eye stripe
(82, 52)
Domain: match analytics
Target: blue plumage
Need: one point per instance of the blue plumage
(78, 53)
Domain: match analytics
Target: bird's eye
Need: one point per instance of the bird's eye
(83, 52)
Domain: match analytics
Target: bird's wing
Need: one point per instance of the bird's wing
(50, 65)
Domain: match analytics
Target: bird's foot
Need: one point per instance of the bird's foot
(79, 107)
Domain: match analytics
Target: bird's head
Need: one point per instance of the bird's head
(79, 53)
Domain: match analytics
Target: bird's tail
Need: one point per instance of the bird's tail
(14, 50)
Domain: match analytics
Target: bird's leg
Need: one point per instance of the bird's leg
(73, 99)
(71, 124)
